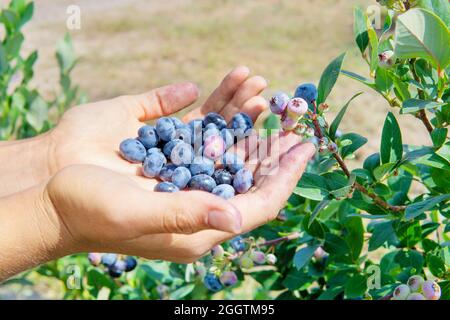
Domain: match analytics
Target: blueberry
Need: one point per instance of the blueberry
(416, 296)
(243, 180)
(201, 165)
(167, 171)
(181, 177)
(296, 108)
(232, 162)
(431, 290)
(241, 123)
(177, 123)
(278, 103)
(216, 119)
(132, 150)
(271, 259)
(148, 136)
(196, 127)
(307, 91)
(246, 262)
(117, 269)
(95, 258)
(210, 126)
(153, 164)
(153, 150)
(217, 252)
(222, 176)
(224, 191)
(182, 154)
(214, 147)
(202, 182)
(184, 133)
(401, 292)
(415, 283)
(108, 259)
(165, 129)
(228, 278)
(212, 282)
(168, 147)
(166, 187)
(228, 137)
(209, 132)
(130, 264)
(258, 257)
(238, 244)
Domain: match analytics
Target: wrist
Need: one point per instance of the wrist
(31, 232)
(25, 163)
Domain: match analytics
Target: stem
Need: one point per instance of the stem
(380, 202)
(421, 114)
(276, 241)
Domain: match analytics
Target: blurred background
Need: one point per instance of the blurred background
(130, 46)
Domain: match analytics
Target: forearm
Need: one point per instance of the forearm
(30, 232)
(23, 164)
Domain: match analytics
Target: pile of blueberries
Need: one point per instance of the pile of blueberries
(417, 288)
(194, 155)
(115, 264)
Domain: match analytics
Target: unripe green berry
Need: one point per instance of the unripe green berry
(271, 259)
(415, 283)
(401, 292)
(246, 262)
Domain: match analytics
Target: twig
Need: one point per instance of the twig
(273, 242)
(421, 114)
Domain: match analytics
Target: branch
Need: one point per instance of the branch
(273, 242)
(421, 114)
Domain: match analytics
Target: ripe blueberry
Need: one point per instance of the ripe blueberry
(132, 150)
(228, 278)
(214, 147)
(184, 133)
(166, 187)
(415, 283)
(165, 129)
(167, 171)
(169, 146)
(307, 92)
(224, 191)
(148, 137)
(212, 282)
(130, 264)
(182, 154)
(210, 131)
(181, 177)
(243, 180)
(232, 162)
(202, 182)
(117, 269)
(222, 176)
(431, 290)
(216, 119)
(228, 137)
(108, 259)
(279, 102)
(238, 244)
(201, 165)
(153, 164)
(177, 122)
(241, 123)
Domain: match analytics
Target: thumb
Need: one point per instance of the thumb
(162, 101)
(186, 213)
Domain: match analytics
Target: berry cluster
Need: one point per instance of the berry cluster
(242, 254)
(193, 156)
(417, 289)
(116, 265)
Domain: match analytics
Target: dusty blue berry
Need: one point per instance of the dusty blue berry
(279, 102)
(222, 176)
(148, 137)
(168, 147)
(132, 150)
(216, 119)
(177, 122)
(184, 133)
(242, 124)
(130, 263)
(182, 154)
(238, 244)
(167, 171)
(228, 137)
(307, 91)
(202, 182)
(181, 177)
(224, 191)
(153, 164)
(166, 187)
(165, 128)
(243, 180)
(232, 162)
(212, 282)
(108, 259)
(201, 165)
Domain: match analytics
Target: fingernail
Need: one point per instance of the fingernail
(225, 221)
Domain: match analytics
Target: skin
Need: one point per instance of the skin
(68, 191)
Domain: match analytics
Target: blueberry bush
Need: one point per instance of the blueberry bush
(371, 229)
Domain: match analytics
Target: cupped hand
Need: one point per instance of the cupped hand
(91, 133)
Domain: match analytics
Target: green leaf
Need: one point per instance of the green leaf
(65, 54)
(329, 78)
(415, 209)
(438, 7)
(182, 292)
(380, 172)
(383, 80)
(38, 114)
(436, 265)
(382, 232)
(373, 41)
(336, 245)
(312, 186)
(322, 205)
(360, 29)
(356, 286)
(438, 136)
(359, 78)
(420, 33)
(337, 121)
(391, 140)
(414, 105)
(303, 256)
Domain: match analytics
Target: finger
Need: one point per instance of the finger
(264, 204)
(250, 88)
(226, 90)
(255, 106)
(162, 101)
(181, 212)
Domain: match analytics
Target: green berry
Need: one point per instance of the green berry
(401, 292)
(246, 262)
(415, 283)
